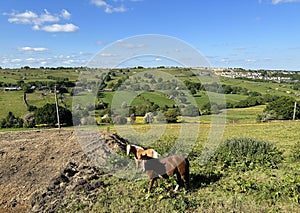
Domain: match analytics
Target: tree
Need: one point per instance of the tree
(119, 120)
(29, 120)
(132, 118)
(171, 115)
(191, 110)
(11, 121)
(47, 115)
(282, 109)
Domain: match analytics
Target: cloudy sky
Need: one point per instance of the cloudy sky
(254, 34)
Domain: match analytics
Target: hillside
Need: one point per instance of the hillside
(140, 90)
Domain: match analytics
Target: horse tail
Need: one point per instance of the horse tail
(128, 149)
(187, 173)
(155, 154)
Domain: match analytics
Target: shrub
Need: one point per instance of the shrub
(11, 121)
(29, 120)
(296, 151)
(171, 115)
(47, 115)
(283, 108)
(191, 110)
(119, 120)
(246, 154)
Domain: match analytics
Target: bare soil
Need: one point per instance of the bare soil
(47, 170)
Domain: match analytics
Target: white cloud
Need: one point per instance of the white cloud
(33, 49)
(99, 42)
(30, 17)
(108, 7)
(131, 46)
(120, 9)
(107, 54)
(38, 22)
(54, 28)
(65, 14)
(283, 1)
(16, 60)
(99, 3)
(72, 62)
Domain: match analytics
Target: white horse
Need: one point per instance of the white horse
(138, 151)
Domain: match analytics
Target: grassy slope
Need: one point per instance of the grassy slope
(13, 76)
(261, 87)
(13, 101)
(259, 190)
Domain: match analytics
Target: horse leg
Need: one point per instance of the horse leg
(186, 175)
(143, 165)
(156, 183)
(152, 180)
(136, 163)
(179, 180)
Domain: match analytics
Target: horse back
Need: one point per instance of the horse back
(168, 165)
(175, 162)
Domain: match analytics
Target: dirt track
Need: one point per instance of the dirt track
(36, 165)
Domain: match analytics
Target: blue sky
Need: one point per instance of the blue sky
(252, 34)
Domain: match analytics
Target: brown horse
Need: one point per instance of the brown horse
(165, 167)
(138, 151)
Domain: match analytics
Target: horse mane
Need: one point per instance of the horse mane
(137, 147)
(155, 154)
(129, 146)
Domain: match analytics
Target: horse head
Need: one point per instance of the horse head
(145, 157)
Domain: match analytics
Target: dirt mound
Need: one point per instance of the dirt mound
(44, 171)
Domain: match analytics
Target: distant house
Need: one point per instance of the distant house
(106, 90)
(12, 88)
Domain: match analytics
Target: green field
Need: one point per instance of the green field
(262, 189)
(214, 188)
(27, 75)
(13, 101)
(261, 87)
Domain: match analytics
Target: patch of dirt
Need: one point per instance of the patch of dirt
(47, 170)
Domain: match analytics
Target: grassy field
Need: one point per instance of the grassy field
(12, 101)
(262, 189)
(213, 189)
(27, 75)
(261, 87)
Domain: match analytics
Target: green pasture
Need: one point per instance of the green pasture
(212, 190)
(134, 99)
(12, 101)
(203, 98)
(243, 115)
(29, 75)
(279, 89)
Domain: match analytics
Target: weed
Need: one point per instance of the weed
(244, 154)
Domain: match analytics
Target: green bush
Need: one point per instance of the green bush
(282, 109)
(47, 115)
(171, 115)
(296, 151)
(246, 154)
(11, 121)
(119, 120)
